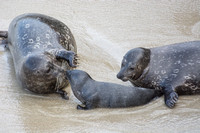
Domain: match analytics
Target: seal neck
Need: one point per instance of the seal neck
(146, 59)
(145, 64)
(77, 89)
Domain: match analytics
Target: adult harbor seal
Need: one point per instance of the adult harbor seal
(173, 69)
(94, 94)
(42, 49)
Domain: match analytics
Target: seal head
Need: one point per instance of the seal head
(134, 63)
(77, 79)
(42, 74)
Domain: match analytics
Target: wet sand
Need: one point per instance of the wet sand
(104, 32)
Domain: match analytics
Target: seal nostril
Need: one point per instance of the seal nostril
(38, 72)
(119, 76)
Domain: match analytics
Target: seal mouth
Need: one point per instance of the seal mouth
(133, 77)
(124, 79)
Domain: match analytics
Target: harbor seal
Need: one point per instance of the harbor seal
(42, 49)
(173, 69)
(95, 94)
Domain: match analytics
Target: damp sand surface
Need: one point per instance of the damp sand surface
(104, 32)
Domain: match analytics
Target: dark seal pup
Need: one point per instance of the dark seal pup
(42, 49)
(94, 94)
(173, 69)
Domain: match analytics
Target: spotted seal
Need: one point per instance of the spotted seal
(94, 94)
(42, 48)
(173, 69)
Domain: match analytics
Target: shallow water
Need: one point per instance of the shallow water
(104, 32)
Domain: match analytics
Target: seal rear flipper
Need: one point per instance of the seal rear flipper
(69, 56)
(3, 34)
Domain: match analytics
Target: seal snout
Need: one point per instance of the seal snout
(119, 76)
(122, 77)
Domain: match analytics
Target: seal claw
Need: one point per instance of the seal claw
(79, 107)
(76, 58)
(171, 99)
(63, 94)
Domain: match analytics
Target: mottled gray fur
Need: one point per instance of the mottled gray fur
(42, 48)
(173, 69)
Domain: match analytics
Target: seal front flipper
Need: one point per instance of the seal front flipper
(87, 106)
(171, 97)
(69, 56)
(79, 107)
(63, 94)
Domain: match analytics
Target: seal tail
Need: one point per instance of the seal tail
(3, 34)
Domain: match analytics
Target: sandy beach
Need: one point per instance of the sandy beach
(104, 31)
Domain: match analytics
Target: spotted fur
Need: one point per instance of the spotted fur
(173, 69)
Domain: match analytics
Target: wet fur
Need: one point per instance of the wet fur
(41, 47)
(95, 94)
(173, 69)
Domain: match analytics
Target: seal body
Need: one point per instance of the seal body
(94, 94)
(173, 69)
(42, 48)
